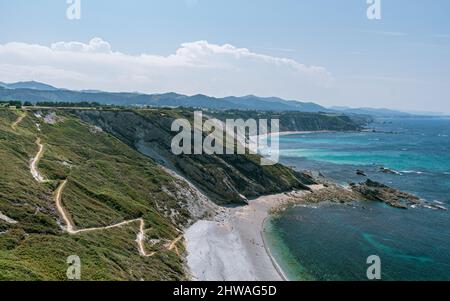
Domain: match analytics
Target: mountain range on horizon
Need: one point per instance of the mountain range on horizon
(33, 85)
(33, 91)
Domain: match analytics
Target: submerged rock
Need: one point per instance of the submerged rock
(361, 173)
(389, 171)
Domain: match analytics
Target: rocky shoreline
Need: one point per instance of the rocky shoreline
(365, 191)
(374, 191)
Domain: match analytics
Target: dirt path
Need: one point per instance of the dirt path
(174, 243)
(19, 120)
(33, 165)
(70, 227)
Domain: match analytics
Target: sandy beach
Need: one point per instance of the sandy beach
(232, 247)
(287, 133)
(255, 141)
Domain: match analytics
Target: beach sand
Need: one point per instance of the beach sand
(288, 133)
(232, 247)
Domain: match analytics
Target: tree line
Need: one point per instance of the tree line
(83, 104)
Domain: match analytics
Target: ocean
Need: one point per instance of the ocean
(333, 241)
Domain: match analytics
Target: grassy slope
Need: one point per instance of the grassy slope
(108, 182)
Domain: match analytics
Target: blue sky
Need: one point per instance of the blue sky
(401, 61)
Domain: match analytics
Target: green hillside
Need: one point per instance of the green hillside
(108, 182)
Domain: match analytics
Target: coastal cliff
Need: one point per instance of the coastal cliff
(224, 178)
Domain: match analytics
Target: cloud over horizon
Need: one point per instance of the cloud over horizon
(195, 67)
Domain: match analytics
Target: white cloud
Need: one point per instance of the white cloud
(95, 45)
(196, 67)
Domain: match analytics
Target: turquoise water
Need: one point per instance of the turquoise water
(333, 242)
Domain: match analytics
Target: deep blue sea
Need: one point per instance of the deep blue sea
(333, 242)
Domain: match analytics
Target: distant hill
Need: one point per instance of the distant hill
(32, 85)
(39, 92)
(270, 103)
(372, 112)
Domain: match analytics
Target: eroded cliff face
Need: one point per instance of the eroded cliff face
(225, 179)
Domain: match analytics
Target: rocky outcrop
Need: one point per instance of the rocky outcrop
(375, 191)
(360, 172)
(389, 171)
(367, 191)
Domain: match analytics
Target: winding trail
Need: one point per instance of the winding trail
(70, 227)
(19, 120)
(33, 166)
(174, 243)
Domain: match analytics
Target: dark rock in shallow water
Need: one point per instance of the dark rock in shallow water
(389, 171)
(375, 191)
(361, 173)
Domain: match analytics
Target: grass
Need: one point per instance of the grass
(108, 183)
